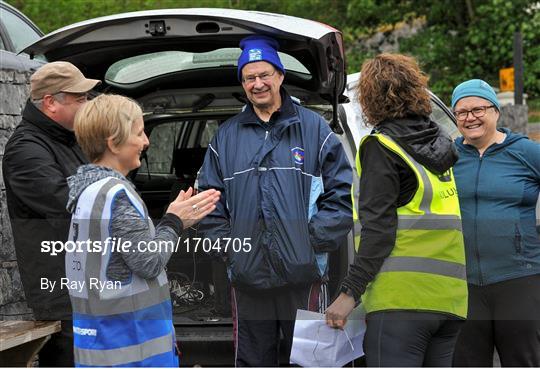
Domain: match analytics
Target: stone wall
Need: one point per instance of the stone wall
(14, 89)
(386, 39)
(514, 117)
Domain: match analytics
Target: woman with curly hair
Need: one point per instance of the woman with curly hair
(409, 270)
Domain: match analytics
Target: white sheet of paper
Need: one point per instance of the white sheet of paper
(317, 345)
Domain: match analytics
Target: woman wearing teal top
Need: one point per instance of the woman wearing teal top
(498, 181)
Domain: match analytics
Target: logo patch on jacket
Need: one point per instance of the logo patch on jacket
(255, 54)
(298, 155)
(446, 176)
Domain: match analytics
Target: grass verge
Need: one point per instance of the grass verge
(534, 110)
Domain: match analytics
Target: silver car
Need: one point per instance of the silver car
(16, 32)
(181, 66)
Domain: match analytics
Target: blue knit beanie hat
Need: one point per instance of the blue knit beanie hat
(475, 87)
(259, 48)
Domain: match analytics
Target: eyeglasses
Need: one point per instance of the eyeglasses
(265, 76)
(79, 98)
(477, 112)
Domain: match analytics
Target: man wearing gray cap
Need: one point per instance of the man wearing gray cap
(38, 157)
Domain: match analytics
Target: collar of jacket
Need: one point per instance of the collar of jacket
(284, 116)
(423, 139)
(511, 137)
(35, 117)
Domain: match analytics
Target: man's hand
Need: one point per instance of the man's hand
(339, 311)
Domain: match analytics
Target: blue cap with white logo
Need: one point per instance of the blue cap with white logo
(259, 48)
(475, 87)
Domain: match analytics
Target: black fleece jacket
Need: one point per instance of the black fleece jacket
(387, 183)
(38, 158)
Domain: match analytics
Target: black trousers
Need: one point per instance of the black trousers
(506, 316)
(260, 317)
(58, 351)
(410, 339)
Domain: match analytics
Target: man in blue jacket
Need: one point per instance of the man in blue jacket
(285, 184)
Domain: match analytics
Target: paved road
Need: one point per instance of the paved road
(534, 131)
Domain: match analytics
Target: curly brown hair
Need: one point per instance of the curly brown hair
(392, 86)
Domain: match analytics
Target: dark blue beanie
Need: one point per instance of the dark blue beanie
(259, 48)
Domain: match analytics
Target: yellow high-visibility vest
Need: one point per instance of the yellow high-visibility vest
(426, 268)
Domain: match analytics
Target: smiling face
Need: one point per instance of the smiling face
(63, 107)
(129, 152)
(477, 131)
(261, 82)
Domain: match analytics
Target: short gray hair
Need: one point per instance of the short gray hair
(60, 96)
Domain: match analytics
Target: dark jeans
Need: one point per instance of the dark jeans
(410, 339)
(506, 316)
(58, 351)
(260, 316)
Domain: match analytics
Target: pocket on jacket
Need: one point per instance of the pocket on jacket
(517, 239)
(300, 269)
(277, 264)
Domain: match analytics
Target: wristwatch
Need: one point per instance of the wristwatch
(349, 292)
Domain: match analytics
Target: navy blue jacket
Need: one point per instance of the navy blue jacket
(497, 195)
(285, 188)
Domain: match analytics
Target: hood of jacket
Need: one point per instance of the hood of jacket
(424, 140)
(511, 137)
(85, 176)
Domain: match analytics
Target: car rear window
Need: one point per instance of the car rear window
(141, 67)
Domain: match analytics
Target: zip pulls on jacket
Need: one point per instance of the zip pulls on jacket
(476, 247)
(498, 240)
(493, 145)
(476, 244)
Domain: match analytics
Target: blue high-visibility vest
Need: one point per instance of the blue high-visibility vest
(114, 323)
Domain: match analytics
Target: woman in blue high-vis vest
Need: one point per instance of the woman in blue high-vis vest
(115, 265)
(498, 182)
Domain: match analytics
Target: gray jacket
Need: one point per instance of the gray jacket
(126, 223)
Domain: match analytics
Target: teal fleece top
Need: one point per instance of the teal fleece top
(498, 194)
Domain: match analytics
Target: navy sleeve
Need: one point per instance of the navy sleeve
(333, 220)
(216, 224)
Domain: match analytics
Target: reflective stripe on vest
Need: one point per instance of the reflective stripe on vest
(126, 355)
(126, 325)
(426, 268)
(355, 193)
(424, 265)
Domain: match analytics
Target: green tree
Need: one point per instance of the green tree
(474, 39)
(462, 39)
(50, 15)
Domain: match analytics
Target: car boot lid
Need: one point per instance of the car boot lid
(96, 44)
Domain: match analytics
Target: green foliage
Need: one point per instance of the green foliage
(462, 39)
(50, 15)
(479, 44)
(444, 64)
